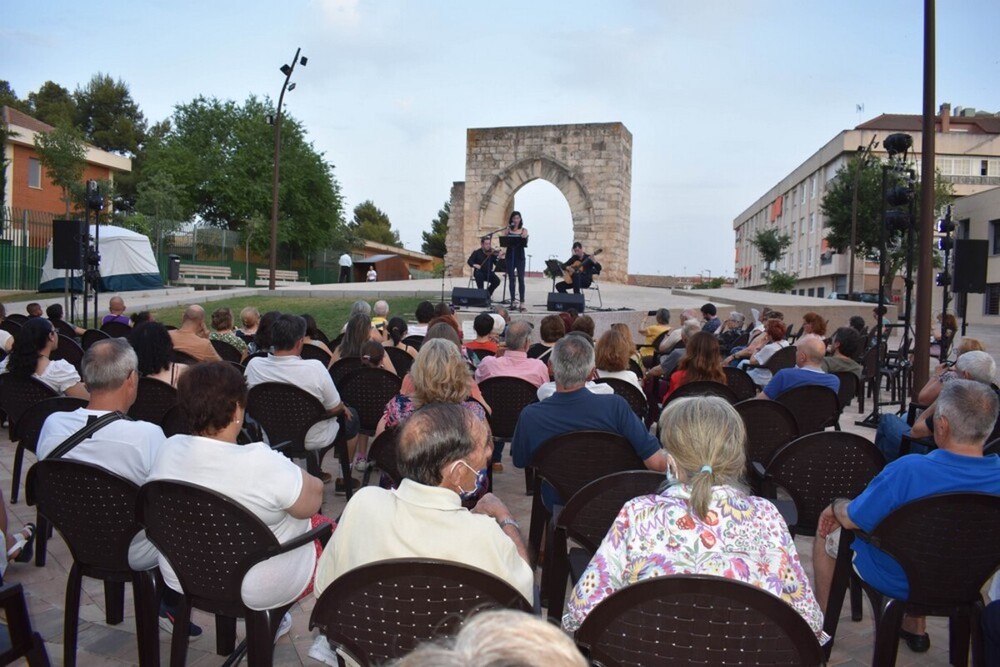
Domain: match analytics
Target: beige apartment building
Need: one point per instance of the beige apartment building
(967, 145)
(978, 217)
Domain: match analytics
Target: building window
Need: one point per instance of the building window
(801, 258)
(812, 187)
(802, 224)
(802, 199)
(812, 223)
(962, 229)
(820, 292)
(991, 300)
(34, 173)
(809, 259)
(811, 292)
(995, 237)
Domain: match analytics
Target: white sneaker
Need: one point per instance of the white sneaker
(283, 627)
(360, 464)
(321, 651)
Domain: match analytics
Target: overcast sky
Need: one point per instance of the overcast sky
(723, 99)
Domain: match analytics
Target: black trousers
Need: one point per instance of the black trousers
(479, 275)
(345, 274)
(580, 281)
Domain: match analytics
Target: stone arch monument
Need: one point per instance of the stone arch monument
(591, 164)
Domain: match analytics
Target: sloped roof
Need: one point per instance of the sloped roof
(914, 123)
(12, 116)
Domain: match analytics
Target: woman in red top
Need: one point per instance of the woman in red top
(702, 361)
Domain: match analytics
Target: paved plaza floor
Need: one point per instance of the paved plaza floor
(100, 644)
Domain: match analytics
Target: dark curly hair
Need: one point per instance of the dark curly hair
(152, 344)
(28, 343)
(207, 395)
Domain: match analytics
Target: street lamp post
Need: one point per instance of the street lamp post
(287, 71)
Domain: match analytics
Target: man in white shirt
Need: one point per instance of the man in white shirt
(286, 365)
(372, 275)
(125, 448)
(345, 268)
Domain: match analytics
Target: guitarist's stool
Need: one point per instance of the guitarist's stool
(597, 288)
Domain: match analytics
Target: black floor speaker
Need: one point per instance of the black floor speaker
(560, 302)
(468, 296)
(67, 243)
(970, 266)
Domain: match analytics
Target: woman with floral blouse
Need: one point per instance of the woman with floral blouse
(702, 521)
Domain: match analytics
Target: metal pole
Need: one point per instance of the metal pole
(274, 187)
(925, 265)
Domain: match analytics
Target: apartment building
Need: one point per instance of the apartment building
(967, 147)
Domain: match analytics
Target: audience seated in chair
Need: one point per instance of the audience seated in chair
(770, 342)
(514, 361)
(222, 322)
(424, 314)
(701, 522)
(932, 388)
(55, 314)
(845, 346)
(963, 417)
(550, 330)
(731, 331)
(977, 366)
(668, 362)
(612, 354)
(154, 349)
(574, 408)
(397, 330)
(702, 362)
(191, 337)
(116, 312)
(286, 365)
(358, 330)
(654, 331)
(809, 354)
(710, 321)
(30, 357)
(483, 325)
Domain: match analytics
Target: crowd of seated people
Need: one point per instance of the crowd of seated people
(444, 507)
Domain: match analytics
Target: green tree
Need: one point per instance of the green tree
(108, 116)
(160, 198)
(779, 281)
(836, 208)
(711, 283)
(53, 104)
(220, 155)
(9, 98)
(371, 223)
(771, 245)
(62, 153)
(434, 240)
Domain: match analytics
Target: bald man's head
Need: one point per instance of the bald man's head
(194, 313)
(116, 305)
(810, 350)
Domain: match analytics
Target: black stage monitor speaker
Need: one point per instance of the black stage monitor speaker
(970, 266)
(467, 296)
(560, 302)
(67, 244)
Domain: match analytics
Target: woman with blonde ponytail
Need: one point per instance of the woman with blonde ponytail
(701, 522)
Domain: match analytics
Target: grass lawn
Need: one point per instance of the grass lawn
(330, 314)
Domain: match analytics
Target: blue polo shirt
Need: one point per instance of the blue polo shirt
(790, 378)
(579, 410)
(910, 478)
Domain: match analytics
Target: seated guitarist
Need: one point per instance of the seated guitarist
(579, 270)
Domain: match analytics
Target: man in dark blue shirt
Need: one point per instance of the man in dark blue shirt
(575, 408)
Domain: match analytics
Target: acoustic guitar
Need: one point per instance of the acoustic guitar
(578, 265)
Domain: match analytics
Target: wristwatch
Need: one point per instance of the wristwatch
(508, 522)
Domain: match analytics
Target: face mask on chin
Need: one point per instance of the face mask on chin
(480, 485)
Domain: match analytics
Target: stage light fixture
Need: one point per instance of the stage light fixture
(897, 144)
(286, 70)
(303, 61)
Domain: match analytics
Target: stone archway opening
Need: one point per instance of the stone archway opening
(591, 165)
(549, 219)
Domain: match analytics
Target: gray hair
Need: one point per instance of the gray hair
(528, 641)
(432, 437)
(977, 365)
(107, 364)
(971, 410)
(518, 334)
(361, 308)
(381, 308)
(690, 328)
(572, 360)
(737, 317)
(662, 316)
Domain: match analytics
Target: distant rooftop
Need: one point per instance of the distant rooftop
(965, 120)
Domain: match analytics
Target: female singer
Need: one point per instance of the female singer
(515, 259)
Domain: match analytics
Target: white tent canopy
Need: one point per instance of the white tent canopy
(127, 264)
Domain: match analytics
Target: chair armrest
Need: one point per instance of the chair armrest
(912, 411)
(281, 445)
(321, 533)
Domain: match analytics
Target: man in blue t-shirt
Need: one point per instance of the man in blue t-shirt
(966, 411)
(574, 408)
(809, 353)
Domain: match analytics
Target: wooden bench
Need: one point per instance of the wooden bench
(200, 275)
(282, 277)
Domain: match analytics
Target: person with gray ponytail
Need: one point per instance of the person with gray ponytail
(702, 521)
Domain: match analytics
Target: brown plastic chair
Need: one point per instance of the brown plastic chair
(65, 329)
(152, 400)
(696, 620)
(507, 396)
(815, 407)
(227, 351)
(175, 422)
(414, 341)
(702, 388)
(740, 382)
(382, 611)
(783, 358)
(401, 360)
(942, 582)
(341, 367)
(116, 329)
(586, 519)
(382, 452)
(850, 386)
(17, 395)
(94, 511)
(286, 412)
(17, 638)
(368, 390)
(211, 542)
(179, 357)
(29, 427)
(317, 353)
(12, 326)
(769, 426)
(68, 350)
(256, 355)
(632, 395)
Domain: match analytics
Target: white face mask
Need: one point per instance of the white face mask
(480, 484)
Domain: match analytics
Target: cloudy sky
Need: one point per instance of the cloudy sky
(723, 98)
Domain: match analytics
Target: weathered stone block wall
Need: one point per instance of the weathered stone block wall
(591, 164)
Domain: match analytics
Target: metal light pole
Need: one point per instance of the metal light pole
(287, 71)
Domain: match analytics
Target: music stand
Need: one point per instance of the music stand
(513, 242)
(555, 269)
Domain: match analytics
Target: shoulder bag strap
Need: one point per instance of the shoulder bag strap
(94, 424)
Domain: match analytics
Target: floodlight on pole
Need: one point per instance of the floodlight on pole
(287, 71)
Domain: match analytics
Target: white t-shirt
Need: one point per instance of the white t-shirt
(4, 338)
(549, 388)
(345, 260)
(125, 448)
(372, 275)
(59, 374)
(307, 374)
(626, 375)
(263, 481)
